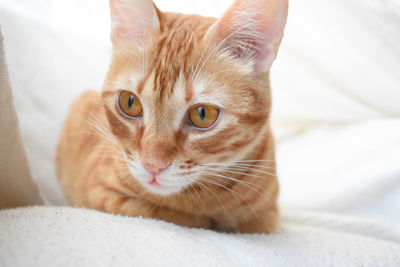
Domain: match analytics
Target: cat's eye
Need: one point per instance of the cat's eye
(129, 104)
(203, 116)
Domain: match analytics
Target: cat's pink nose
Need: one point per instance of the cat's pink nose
(155, 167)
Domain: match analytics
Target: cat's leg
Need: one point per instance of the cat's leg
(105, 199)
(265, 222)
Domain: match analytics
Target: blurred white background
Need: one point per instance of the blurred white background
(336, 90)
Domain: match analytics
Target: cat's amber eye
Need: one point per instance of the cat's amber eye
(129, 104)
(203, 116)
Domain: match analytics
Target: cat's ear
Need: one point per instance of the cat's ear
(252, 30)
(133, 21)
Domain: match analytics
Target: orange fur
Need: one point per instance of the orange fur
(178, 64)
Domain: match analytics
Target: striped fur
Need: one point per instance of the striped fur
(222, 178)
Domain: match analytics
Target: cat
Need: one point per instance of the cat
(181, 131)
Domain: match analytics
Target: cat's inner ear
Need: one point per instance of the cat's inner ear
(251, 30)
(133, 21)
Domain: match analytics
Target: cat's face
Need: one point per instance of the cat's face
(181, 99)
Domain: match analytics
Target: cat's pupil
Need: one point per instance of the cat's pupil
(130, 101)
(202, 113)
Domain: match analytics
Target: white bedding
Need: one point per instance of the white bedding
(336, 114)
(76, 237)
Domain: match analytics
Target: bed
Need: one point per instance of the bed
(336, 118)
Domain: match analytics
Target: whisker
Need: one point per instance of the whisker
(190, 194)
(220, 185)
(100, 131)
(263, 192)
(212, 192)
(239, 164)
(101, 126)
(233, 192)
(236, 172)
(239, 168)
(197, 193)
(244, 183)
(249, 160)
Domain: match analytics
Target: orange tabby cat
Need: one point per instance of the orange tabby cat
(181, 130)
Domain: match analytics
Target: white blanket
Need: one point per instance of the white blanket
(76, 237)
(336, 113)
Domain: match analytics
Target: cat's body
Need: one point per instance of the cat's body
(157, 165)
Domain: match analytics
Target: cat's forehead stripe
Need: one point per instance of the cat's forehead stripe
(141, 83)
(175, 52)
(188, 92)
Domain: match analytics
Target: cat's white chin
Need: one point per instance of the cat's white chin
(163, 190)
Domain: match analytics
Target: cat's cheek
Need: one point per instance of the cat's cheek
(137, 171)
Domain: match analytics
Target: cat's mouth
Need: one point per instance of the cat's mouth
(157, 188)
(160, 181)
(154, 182)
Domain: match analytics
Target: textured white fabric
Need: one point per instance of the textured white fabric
(349, 169)
(336, 114)
(77, 237)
